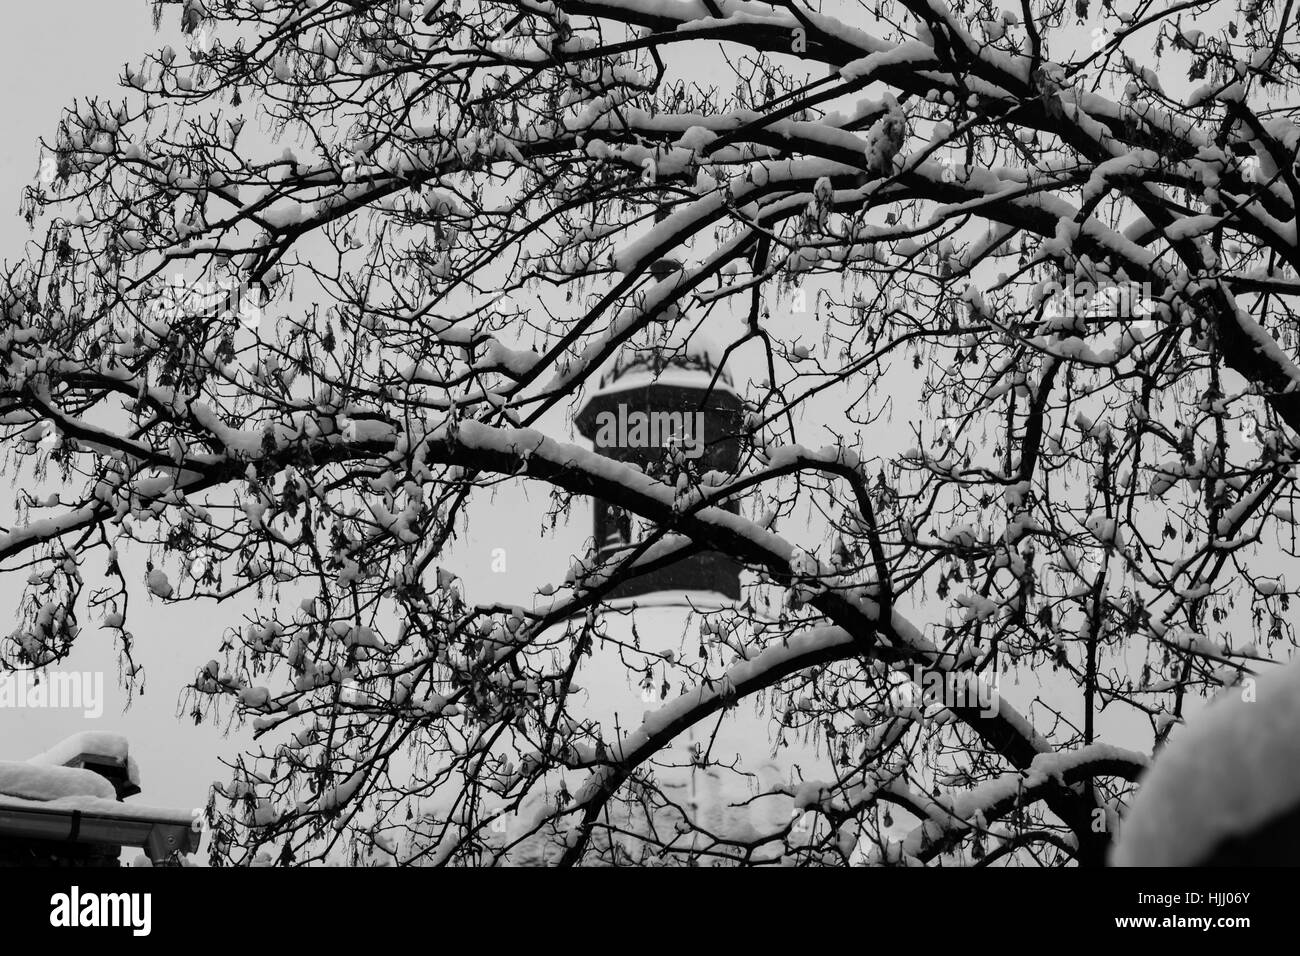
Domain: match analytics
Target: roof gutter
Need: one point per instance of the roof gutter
(158, 838)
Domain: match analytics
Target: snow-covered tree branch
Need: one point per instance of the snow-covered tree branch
(308, 291)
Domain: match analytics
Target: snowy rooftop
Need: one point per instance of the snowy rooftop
(39, 795)
(692, 362)
(106, 808)
(30, 781)
(61, 771)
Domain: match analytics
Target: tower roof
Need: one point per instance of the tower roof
(688, 362)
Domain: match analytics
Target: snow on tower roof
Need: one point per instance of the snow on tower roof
(690, 361)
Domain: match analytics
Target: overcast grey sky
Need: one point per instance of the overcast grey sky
(49, 55)
(46, 60)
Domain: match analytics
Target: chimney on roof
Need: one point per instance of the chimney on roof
(111, 769)
(104, 754)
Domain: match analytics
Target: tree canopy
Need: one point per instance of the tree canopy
(312, 285)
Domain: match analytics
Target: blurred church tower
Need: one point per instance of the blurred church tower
(684, 384)
(657, 617)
